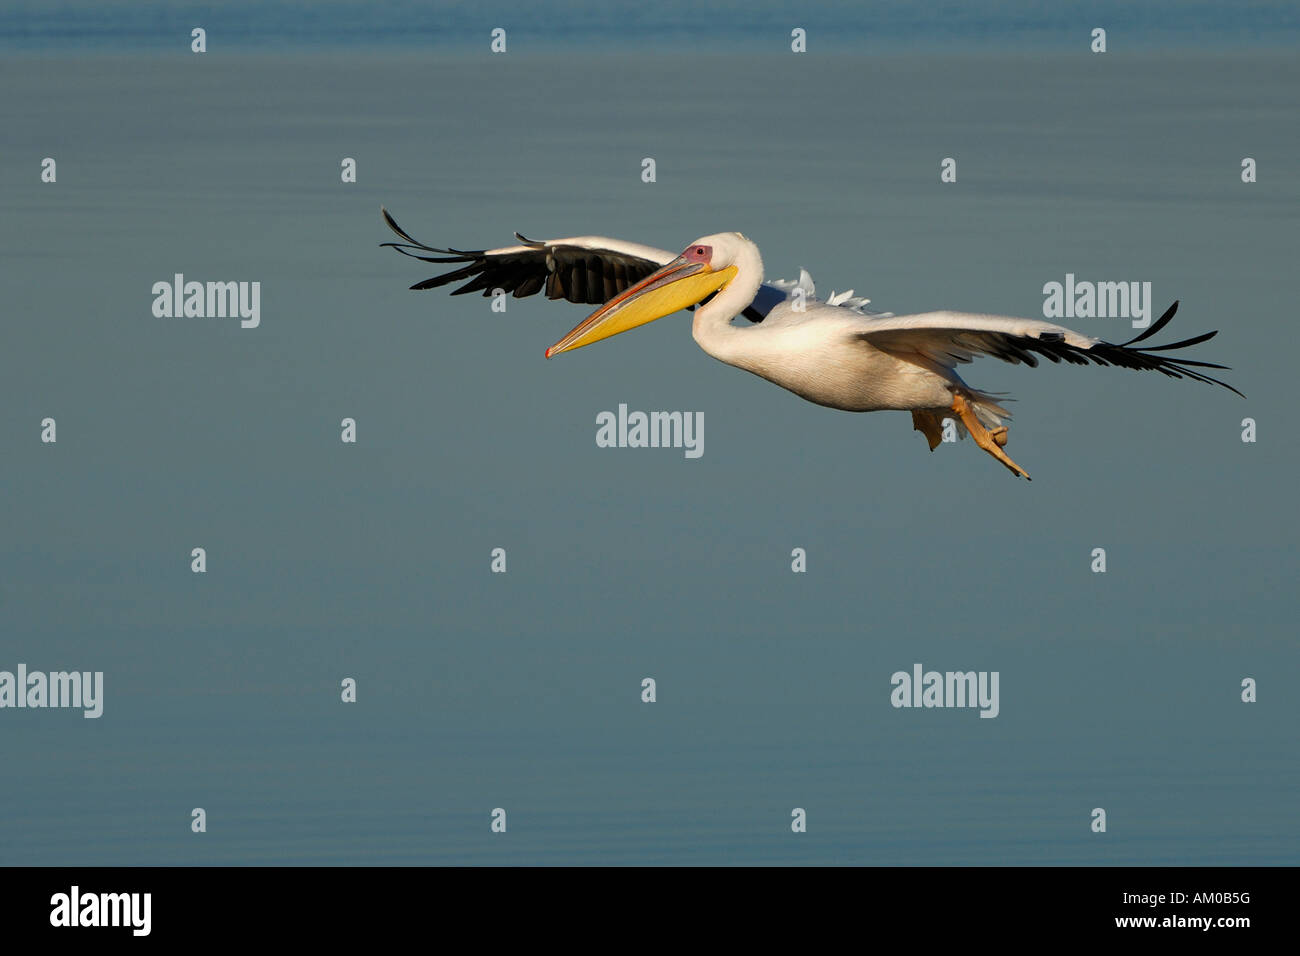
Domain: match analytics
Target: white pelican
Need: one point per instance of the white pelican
(833, 352)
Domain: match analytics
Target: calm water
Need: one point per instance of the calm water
(480, 690)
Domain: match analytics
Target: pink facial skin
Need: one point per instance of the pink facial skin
(698, 254)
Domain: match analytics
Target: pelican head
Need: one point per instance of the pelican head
(704, 267)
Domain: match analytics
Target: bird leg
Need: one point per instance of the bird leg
(991, 441)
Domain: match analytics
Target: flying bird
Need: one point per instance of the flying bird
(833, 351)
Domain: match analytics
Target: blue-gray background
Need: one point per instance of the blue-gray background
(521, 691)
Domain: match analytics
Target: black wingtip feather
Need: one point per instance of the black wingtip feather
(1155, 327)
(392, 224)
(1126, 356)
(1054, 347)
(1185, 343)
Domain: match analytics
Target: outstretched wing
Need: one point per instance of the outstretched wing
(949, 338)
(589, 270)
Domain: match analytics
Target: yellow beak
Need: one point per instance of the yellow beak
(679, 284)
